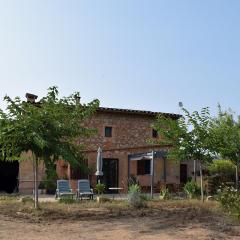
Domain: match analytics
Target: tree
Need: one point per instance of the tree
(189, 137)
(221, 172)
(50, 130)
(226, 135)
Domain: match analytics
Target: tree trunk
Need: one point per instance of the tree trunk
(237, 176)
(201, 178)
(194, 170)
(35, 165)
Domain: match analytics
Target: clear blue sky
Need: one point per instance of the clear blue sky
(140, 54)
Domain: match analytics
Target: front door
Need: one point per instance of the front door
(183, 173)
(110, 174)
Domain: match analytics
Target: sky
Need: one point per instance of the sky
(137, 54)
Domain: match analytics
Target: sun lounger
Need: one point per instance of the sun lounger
(84, 189)
(63, 189)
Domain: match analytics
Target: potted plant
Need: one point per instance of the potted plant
(42, 188)
(135, 198)
(50, 178)
(100, 187)
(164, 194)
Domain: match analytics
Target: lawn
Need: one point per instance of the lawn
(115, 220)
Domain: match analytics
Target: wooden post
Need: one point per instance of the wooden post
(128, 170)
(164, 170)
(152, 174)
(194, 170)
(201, 177)
(35, 165)
(237, 176)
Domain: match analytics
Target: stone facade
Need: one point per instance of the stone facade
(131, 133)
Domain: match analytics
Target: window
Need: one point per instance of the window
(143, 167)
(154, 133)
(108, 131)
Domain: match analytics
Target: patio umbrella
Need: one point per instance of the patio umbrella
(99, 172)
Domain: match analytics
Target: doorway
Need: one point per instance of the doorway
(183, 173)
(9, 176)
(110, 174)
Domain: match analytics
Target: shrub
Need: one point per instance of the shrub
(50, 179)
(100, 187)
(133, 180)
(145, 197)
(41, 185)
(51, 185)
(221, 171)
(134, 188)
(192, 189)
(224, 168)
(134, 196)
(164, 194)
(229, 198)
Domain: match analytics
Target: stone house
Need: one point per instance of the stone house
(121, 132)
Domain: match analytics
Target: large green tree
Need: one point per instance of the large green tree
(49, 130)
(189, 137)
(226, 136)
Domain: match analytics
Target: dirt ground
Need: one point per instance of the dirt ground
(158, 221)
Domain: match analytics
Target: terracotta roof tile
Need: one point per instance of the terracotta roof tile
(138, 112)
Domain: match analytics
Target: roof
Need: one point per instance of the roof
(137, 112)
(118, 110)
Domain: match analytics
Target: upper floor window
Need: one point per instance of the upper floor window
(154, 133)
(108, 131)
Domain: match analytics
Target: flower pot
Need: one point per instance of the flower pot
(101, 199)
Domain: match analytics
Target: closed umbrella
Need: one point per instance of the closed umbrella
(99, 172)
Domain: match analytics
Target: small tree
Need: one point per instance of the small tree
(226, 136)
(188, 138)
(49, 129)
(225, 169)
(221, 172)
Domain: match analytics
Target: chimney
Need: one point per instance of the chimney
(77, 98)
(31, 97)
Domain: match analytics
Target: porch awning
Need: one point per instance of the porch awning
(147, 155)
(144, 156)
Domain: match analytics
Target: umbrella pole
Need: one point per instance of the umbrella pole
(98, 179)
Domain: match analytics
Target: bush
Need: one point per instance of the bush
(145, 197)
(49, 181)
(133, 180)
(41, 185)
(192, 189)
(51, 185)
(100, 187)
(224, 168)
(164, 194)
(134, 196)
(221, 171)
(134, 188)
(229, 198)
